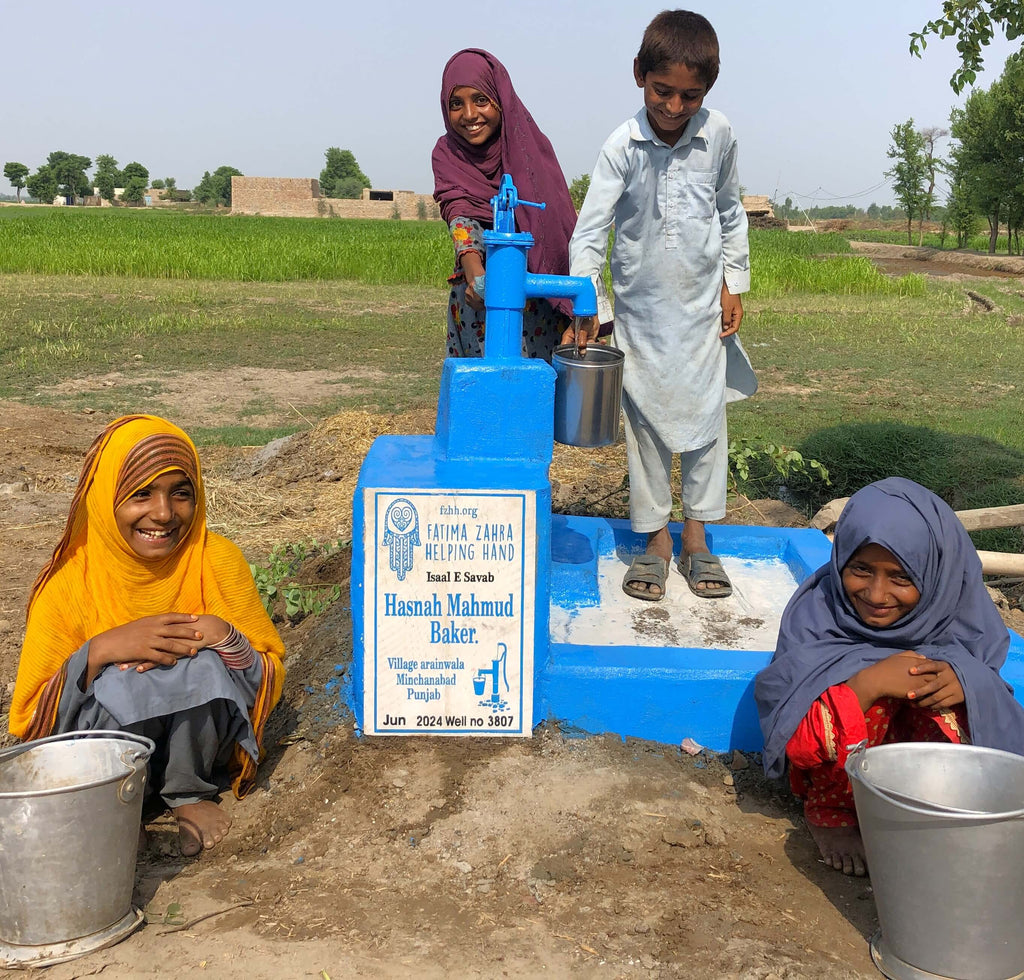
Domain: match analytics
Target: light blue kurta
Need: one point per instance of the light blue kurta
(680, 231)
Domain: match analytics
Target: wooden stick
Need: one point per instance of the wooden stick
(980, 519)
(202, 918)
(1000, 563)
(988, 517)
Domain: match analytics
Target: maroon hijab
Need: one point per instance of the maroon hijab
(466, 177)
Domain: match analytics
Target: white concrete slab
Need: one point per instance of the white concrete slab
(747, 620)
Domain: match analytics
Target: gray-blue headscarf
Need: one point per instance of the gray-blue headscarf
(822, 640)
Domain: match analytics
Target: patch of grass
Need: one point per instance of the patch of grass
(940, 378)
(165, 244)
(965, 470)
(240, 435)
(56, 328)
(783, 262)
(931, 239)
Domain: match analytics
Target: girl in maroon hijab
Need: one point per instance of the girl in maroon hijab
(489, 132)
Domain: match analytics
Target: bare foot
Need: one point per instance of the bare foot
(201, 826)
(658, 543)
(841, 848)
(695, 542)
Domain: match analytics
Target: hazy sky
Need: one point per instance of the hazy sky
(812, 89)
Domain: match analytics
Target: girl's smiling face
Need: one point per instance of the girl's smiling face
(473, 116)
(878, 586)
(155, 519)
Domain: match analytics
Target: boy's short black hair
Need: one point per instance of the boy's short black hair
(680, 37)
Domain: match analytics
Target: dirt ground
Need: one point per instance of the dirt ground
(552, 856)
(389, 857)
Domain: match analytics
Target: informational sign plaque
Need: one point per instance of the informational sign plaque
(449, 612)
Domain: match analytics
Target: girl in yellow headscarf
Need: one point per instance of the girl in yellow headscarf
(146, 622)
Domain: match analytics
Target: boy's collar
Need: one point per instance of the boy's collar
(640, 128)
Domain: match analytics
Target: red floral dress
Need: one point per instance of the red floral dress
(819, 747)
(542, 324)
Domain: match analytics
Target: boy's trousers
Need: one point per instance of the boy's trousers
(704, 476)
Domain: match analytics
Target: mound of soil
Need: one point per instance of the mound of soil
(430, 857)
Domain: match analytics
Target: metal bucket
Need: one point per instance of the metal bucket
(588, 395)
(943, 831)
(70, 810)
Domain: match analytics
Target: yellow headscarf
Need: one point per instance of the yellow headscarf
(95, 581)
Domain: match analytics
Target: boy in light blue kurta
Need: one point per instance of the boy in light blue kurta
(667, 180)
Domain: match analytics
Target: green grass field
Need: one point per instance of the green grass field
(140, 243)
(165, 244)
(869, 374)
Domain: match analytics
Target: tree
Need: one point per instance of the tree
(341, 177)
(578, 190)
(1009, 121)
(960, 218)
(42, 185)
(976, 160)
(69, 170)
(134, 170)
(107, 177)
(16, 174)
(972, 23)
(933, 166)
(909, 173)
(157, 184)
(134, 191)
(170, 189)
(989, 155)
(215, 188)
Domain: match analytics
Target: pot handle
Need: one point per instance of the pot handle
(857, 764)
(134, 783)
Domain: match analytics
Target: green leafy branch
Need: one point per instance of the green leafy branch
(760, 466)
(299, 600)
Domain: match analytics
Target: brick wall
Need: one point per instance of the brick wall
(288, 197)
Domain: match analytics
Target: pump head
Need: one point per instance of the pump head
(504, 204)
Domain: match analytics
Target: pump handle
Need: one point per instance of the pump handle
(505, 202)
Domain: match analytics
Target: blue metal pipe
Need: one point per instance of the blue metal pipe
(577, 288)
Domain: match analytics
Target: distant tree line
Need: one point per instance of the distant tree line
(875, 212)
(66, 175)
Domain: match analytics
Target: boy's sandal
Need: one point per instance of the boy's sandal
(707, 568)
(649, 569)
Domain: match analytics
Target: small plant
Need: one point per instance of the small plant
(298, 600)
(421, 209)
(765, 466)
(173, 915)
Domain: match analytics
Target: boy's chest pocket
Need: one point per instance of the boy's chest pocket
(692, 194)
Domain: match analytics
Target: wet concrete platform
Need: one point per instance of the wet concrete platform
(684, 666)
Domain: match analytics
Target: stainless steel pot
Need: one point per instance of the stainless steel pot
(70, 809)
(943, 830)
(588, 395)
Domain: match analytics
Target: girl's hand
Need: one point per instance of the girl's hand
(892, 678)
(941, 687)
(732, 313)
(153, 641)
(589, 327)
(214, 630)
(472, 266)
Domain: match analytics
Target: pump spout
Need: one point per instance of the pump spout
(577, 288)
